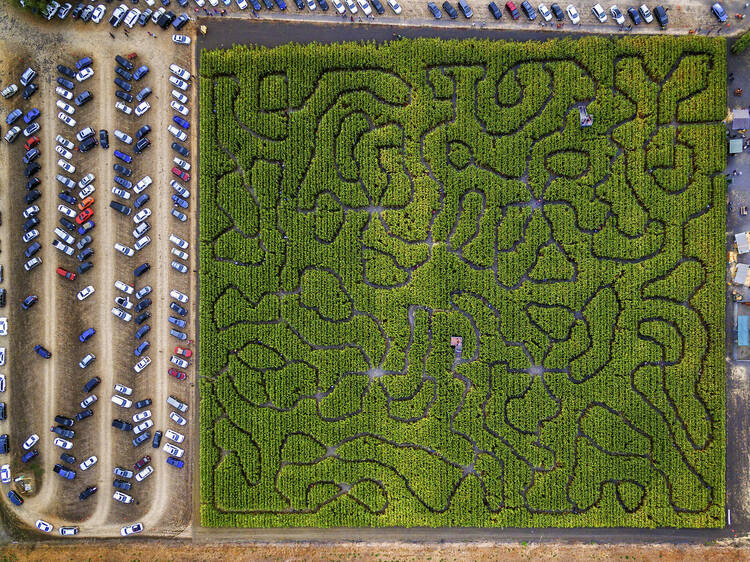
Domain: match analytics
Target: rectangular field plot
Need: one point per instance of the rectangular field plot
(434, 293)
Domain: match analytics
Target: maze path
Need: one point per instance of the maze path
(357, 216)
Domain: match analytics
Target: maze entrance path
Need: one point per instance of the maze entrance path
(363, 205)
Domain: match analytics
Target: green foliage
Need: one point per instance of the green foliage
(363, 204)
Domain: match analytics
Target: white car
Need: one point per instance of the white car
(125, 288)
(599, 13)
(121, 314)
(175, 132)
(394, 6)
(69, 109)
(181, 39)
(617, 14)
(177, 418)
(62, 141)
(142, 364)
(646, 13)
(124, 137)
(30, 442)
(85, 74)
(142, 108)
(28, 266)
(339, 6)
(545, 13)
(30, 235)
(31, 211)
(158, 13)
(88, 463)
(122, 402)
(182, 268)
(132, 17)
(67, 211)
(122, 389)
(126, 109)
(3, 326)
(131, 529)
(179, 242)
(141, 229)
(179, 83)
(86, 402)
(86, 180)
(179, 108)
(311, 5)
(180, 189)
(178, 296)
(179, 72)
(124, 250)
(67, 119)
(365, 7)
(85, 293)
(181, 163)
(180, 254)
(121, 193)
(64, 248)
(63, 93)
(242, 4)
(145, 473)
(173, 450)
(84, 134)
(67, 166)
(2, 356)
(122, 497)
(142, 184)
(62, 443)
(5, 474)
(174, 436)
(142, 215)
(86, 191)
(64, 152)
(98, 14)
(43, 526)
(87, 360)
(141, 416)
(351, 5)
(2, 383)
(142, 243)
(68, 531)
(140, 428)
(573, 14)
(124, 302)
(179, 96)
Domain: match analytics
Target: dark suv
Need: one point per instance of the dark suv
(62, 432)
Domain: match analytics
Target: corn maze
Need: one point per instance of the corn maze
(431, 297)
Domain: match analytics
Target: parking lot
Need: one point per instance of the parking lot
(38, 389)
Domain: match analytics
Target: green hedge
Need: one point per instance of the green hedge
(362, 203)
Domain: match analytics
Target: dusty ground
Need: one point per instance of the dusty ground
(38, 389)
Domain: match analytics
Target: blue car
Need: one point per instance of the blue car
(42, 352)
(15, 498)
(269, 5)
(177, 322)
(86, 334)
(437, 14)
(85, 227)
(181, 122)
(175, 462)
(31, 300)
(179, 201)
(30, 455)
(13, 116)
(67, 198)
(31, 115)
(495, 11)
(141, 72)
(324, 5)
(256, 5)
(719, 12)
(142, 331)
(141, 348)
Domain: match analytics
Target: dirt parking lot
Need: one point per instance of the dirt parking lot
(38, 389)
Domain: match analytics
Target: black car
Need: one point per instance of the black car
(121, 484)
(29, 91)
(32, 183)
(123, 62)
(88, 492)
(123, 73)
(143, 305)
(157, 440)
(69, 72)
(180, 22)
(75, 14)
(141, 145)
(142, 331)
(67, 225)
(557, 12)
(65, 83)
(30, 455)
(4, 444)
(141, 269)
(144, 17)
(120, 208)
(124, 96)
(143, 131)
(127, 184)
(104, 138)
(65, 457)
(166, 19)
(87, 145)
(300, 4)
(177, 308)
(83, 98)
(141, 439)
(142, 317)
(87, 253)
(661, 16)
(143, 94)
(143, 403)
(62, 432)
(495, 11)
(64, 421)
(67, 198)
(141, 201)
(2, 297)
(375, 4)
(179, 149)
(2, 411)
(84, 267)
(634, 15)
(32, 169)
(122, 84)
(122, 425)
(84, 414)
(120, 169)
(31, 223)
(91, 385)
(32, 196)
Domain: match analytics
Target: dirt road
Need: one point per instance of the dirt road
(38, 389)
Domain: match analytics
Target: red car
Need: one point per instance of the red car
(179, 375)
(186, 353)
(31, 143)
(85, 215)
(67, 274)
(511, 7)
(184, 176)
(141, 463)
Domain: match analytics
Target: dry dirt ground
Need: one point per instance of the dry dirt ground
(38, 389)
